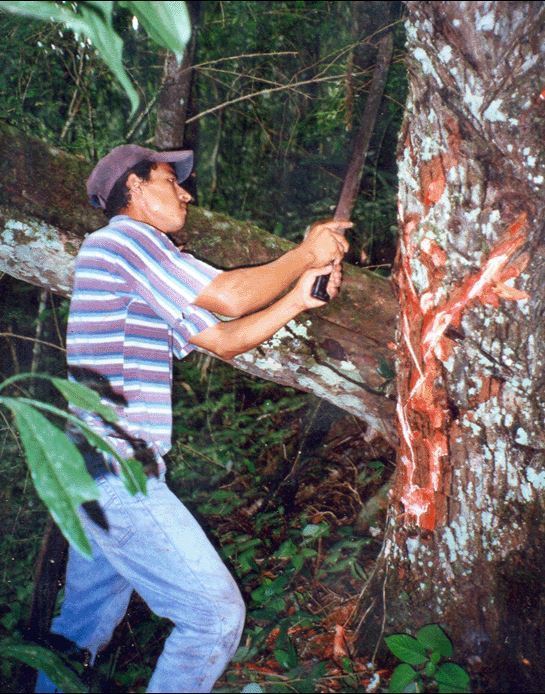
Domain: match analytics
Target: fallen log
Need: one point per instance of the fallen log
(339, 352)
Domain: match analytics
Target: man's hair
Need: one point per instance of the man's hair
(120, 195)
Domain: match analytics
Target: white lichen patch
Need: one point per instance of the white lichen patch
(521, 437)
(473, 99)
(287, 333)
(419, 275)
(456, 539)
(449, 364)
(485, 22)
(445, 54)
(268, 364)
(410, 30)
(529, 63)
(536, 479)
(299, 328)
(494, 113)
(430, 147)
(412, 544)
(41, 256)
(424, 60)
(487, 520)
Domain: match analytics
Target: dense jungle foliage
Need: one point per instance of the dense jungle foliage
(280, 479)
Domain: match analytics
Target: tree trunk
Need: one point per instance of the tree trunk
(331, 352)
(466, 533)
(172, 105)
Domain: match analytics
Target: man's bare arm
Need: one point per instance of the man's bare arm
(245, 290)
(228, 339)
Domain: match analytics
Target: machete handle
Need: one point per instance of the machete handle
(319, 288)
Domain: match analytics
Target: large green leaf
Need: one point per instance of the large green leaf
(402, 676)
(46, 11)
(133, 476)
(132, 472)
(433, 637)
(406, 648)
(452, 678)
(98, 27)
(58, 471)
(167, 23)
(43, 659)
(94, 20)
(85, 398)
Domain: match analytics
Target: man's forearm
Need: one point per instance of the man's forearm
(245, 290)
(242, 334)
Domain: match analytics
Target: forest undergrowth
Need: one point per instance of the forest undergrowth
(281, 482)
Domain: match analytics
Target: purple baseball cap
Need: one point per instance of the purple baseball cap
(111, 167)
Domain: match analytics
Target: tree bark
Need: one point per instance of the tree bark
(172, 105)
(466, 533)
(331, 352)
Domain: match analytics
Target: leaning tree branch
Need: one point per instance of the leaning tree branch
(338, 353)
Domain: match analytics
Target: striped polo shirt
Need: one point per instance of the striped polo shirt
(131, 310)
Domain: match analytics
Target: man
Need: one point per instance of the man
(137, 301)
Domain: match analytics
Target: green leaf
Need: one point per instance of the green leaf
(434, 638)
(109, 45)
(406, 648)
(244, 653)
(57, 469)
(286, 550)
(85, 398)
(435, 657)
(452, 678)
(402, 676)
(430, 668)
(41, 658)
(311, 530)
(94, 20)
(297, 562)
(132, 472)
(287, 658)
(46, 11)
(167, 23)
(133, 476)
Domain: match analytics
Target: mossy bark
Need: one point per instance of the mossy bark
(466, 533)
(339, 352)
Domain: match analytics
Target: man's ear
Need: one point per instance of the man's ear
(133, 182)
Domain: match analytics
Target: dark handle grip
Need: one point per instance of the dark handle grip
(319, 288)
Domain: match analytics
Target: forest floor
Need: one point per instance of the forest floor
(300, 529)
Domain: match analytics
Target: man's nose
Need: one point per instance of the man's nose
(184, 195)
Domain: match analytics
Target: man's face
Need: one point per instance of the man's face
(164, 200)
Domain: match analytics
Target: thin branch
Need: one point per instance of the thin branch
(237, 57)
(250, 77)
(32, 339)
(270, 90)
(56, 319)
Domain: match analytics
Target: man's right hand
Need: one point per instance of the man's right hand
(303, 289)
(325, 242)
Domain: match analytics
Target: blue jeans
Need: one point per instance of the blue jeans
(156, 547)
